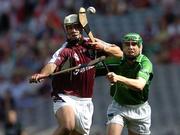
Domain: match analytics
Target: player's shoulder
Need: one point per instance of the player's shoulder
(144, 58)
(145, 62)
(62, 48)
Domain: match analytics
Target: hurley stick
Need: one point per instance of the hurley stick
(84, 22)
(91, 63)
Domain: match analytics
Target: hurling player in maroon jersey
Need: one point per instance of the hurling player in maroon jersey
(72, 91)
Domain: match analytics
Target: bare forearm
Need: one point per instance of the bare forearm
(110, 49)
(134, 84)
(48, 69)
(45, 72)
(113, 50)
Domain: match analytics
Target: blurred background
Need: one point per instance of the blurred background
(32, 30)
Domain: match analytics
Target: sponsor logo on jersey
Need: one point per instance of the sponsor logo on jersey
(81, 70)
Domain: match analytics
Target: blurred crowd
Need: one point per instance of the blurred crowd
(31, 30)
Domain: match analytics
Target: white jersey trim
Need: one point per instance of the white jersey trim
(55, 55)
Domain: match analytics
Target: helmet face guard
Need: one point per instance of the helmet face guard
(71, 19)
(133, 37)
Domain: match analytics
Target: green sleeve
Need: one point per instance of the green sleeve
(146, 70)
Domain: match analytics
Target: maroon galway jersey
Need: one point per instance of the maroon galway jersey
(79, 82)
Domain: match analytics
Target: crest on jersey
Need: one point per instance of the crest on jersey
(76, 57)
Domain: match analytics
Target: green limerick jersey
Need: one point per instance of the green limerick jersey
(141, 68)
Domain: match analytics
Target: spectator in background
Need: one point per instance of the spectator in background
(174, 50)
(167, 4)
(116, 7)
(159, 48)
(139, 4)
(4, 23)
(6, 61)
(4, 83)
(148, 33)
(168, 39)
(13, 125)
(7, 103)
(174, 27)
(168, 15)
(1, 111)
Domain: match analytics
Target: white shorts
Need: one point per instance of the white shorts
(137, 118)
(83, 109)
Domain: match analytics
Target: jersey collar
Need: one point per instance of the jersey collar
(138, 58)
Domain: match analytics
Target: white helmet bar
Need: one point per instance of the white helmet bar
(71, 19)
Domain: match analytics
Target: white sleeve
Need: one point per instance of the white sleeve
(55, 56)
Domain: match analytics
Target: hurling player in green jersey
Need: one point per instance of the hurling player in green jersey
(131, 79)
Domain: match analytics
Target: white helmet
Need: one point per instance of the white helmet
(71, 19)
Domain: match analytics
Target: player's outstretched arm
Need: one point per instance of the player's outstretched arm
(45, 72)
(108, 48)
